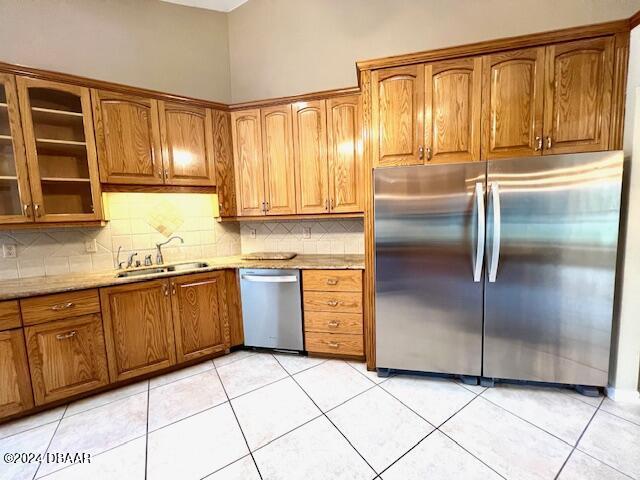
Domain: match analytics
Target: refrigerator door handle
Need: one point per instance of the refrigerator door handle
(495, 247)
(477, 268)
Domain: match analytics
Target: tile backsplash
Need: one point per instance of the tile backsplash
(59, 251)
(308, 236)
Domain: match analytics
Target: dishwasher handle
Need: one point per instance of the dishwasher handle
(270, 278)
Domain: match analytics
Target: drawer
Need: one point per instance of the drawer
(334, 343)
(330, 322)
(9, 315)
(61, 305)
(345, 302)
(332, 280)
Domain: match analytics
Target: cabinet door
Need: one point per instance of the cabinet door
(223, 157)
(577, 110)
(512, 103)
(15, 194)
(452, 96)
(128, 138)
(66, 357)
(346, 169)
(138, 328)
(277, 151)
(187, 144)
(200, 317)
(397, 115)
(15, 384)
(61, 151)
(247, 154)
(310, 150)
(234, 307)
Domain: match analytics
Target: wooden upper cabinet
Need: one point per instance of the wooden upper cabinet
(187, 144)
(579, 81)
(346, 169)
(138, 328)
(247, 154)
(512, 103)
(279, 168)
(452, 96)
(397, 115)
(200, 317)
(223, 156)
(15, 194)
(66, 357)
(310, 149)
(15, 384)
(61, 151)
(128, 138)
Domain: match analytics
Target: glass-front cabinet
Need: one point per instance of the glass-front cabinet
(60, 151)
(15, 195)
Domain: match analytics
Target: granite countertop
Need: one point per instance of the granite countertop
(29, 287)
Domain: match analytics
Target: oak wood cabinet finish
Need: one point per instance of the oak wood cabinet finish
(512, 103)
(333, 322)
(332, 280)
(277, 153)
(138, 328)
(15, 384)
(452, 97)
(346, 302)
(346, 170)
(13, 161)
(578, 86)
(310, 149)
(10, 315)
(66, 357)
(334, 343)
(236, 330)
(187, 144)
(223, 160)
(249, 168)
(60, 305)
(53, 189)
(200, 314)
(128, 138)
(397, 111)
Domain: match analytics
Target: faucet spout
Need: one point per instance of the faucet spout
(159, 257)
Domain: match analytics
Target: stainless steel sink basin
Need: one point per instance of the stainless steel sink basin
(168, 268)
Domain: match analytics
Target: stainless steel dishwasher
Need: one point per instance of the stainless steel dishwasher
(271, 308)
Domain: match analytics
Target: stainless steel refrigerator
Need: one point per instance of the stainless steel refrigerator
(503, 269)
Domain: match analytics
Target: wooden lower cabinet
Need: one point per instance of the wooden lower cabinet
(200, 314)
(138, 328)
(66, 357)
(15, 384)
(234, 304)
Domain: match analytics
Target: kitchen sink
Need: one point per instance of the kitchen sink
(169, 268)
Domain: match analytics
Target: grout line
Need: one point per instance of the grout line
(181, 378)
(106, 403)
(146, 435)
(33, 427)
(618, 416)
(50, 441)
(365, 376)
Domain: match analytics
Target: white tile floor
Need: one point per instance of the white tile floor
(252, 416)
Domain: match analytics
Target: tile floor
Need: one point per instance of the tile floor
(252, 416)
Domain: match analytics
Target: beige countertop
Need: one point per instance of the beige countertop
(29, 287)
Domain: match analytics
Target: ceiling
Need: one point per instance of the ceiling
(217, 5)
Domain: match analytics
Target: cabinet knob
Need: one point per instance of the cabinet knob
(165, 289)
(64, 336)
(334, 323)
(548, 142)
(36, 208)
(428, 153)
(332, 303)
(538, 144)
(332, 281)
(26, 208)
(333, 344)
(420, 152)
(62, 306)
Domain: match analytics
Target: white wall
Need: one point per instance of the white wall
(287, 47)
(143, 43)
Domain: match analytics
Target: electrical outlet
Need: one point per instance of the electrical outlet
(252, 232)
(306, 232)
(91, 246)
(9, 250)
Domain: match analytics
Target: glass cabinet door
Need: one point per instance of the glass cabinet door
(61, 151)
(15, 197)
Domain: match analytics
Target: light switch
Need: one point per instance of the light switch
(306, 232)
(91, 246)
(9, 250)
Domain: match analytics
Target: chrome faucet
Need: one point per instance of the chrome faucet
(159, 258)
(130, 259)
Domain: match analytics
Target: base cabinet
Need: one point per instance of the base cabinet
(66, 357)
(138, 328)
(15, 385)
(200, 315)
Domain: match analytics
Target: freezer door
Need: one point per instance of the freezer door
(552, 235)
(429, 234)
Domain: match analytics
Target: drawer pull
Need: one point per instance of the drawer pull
(333, 344)
(64, 336)
(62, 306)
(334, 323)
(332, 303)
(332, 281)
